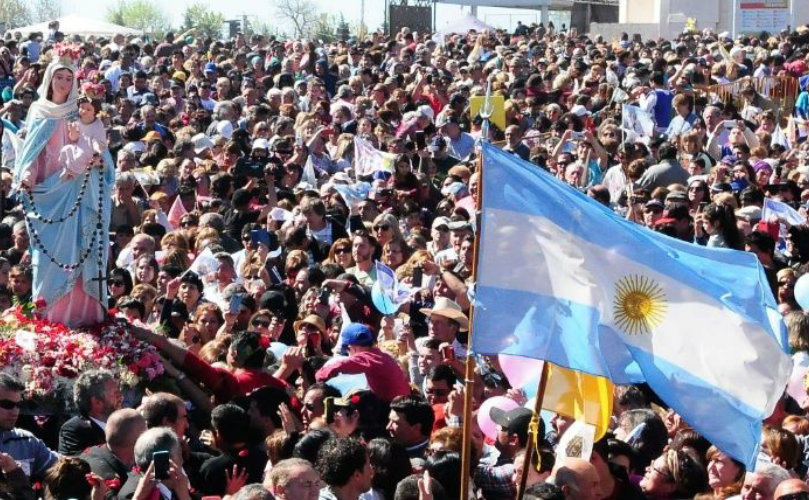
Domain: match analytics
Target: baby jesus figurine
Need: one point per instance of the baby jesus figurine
(87, 140)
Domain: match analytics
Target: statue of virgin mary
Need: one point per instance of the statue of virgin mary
(67, 215)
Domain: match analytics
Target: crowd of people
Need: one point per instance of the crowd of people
(246, 150)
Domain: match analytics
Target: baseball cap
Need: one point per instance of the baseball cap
(440, 221)
(210, 68)
(515, 421)
(356, 334)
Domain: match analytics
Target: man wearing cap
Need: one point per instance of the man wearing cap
(439, 155)
(461, 144)
(439, 232)
(385, 378)
(446, 321)
(495, 480)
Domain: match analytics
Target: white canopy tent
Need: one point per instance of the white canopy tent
(76, 25)
(462, 26)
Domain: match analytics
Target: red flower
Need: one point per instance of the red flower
(244, 453)
(113, 484)
(355, 399)
(40, 303)
(264, 341)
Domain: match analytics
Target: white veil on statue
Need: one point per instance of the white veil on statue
(45, 108)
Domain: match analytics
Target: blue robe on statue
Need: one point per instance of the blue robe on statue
(68, 224)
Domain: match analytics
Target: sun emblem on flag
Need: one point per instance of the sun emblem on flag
(639, 305)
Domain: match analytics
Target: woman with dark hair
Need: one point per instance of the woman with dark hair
(445, 467)
(390, 463)
(697, 193)
(118, 284)
(70, 477)
(719, 222)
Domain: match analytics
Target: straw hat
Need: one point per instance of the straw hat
(448, 309)
(314, 320)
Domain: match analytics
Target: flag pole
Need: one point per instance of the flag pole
(469, 369)
(533, 431)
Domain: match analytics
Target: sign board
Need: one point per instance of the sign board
(755, 16)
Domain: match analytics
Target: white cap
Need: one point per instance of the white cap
(427, 111)
(261, 144)
(201, 143)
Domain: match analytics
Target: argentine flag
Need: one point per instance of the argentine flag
(564, 279)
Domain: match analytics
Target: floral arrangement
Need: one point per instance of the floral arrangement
(47, 356)
(93, 90)
(68, 53)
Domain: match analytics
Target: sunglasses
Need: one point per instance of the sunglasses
(342, 251)
(187, 223)
(8, 404)
(381, 227)
(116, 283)
(262, 323)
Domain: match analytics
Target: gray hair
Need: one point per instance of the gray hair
(774, 474)
(222, 109)
(214, 220)
(124, 153)
(253, 491)
(90, 384)
(156, 439)
(19, 226)
(125, 179)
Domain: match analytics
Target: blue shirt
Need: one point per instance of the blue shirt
(679, 125)
(28, 450)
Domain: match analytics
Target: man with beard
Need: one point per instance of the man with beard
(97, 395)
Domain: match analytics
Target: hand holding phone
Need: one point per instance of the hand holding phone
(161, 464)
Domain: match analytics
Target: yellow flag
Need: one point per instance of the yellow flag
(498, 109)
(580, 396)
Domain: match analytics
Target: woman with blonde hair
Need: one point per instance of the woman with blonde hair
(386, 228)
(725, 474)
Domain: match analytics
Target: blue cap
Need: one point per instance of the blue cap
(729, 159)
(356, 334)
(210, 67)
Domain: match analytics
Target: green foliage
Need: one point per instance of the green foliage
(139, 14)
(207, 22)
(15, 13)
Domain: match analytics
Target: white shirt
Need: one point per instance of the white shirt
(99, 423)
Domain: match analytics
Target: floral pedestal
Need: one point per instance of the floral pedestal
(47, 357)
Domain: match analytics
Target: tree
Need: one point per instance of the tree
(207, 22)
(301, 13)
(45, 10)
(325, 28)
(259, 27)
(14, 13)
(139, 14)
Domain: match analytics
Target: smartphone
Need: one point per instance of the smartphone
(161, 464)
(702, 205)
(275, 275)
(260, 236)
(421, 140)
(577, 136)
(323, 297)
(448, 353)
(778, 170)
(115, 136)
(418, 277)
(730, 124)
(235, 303)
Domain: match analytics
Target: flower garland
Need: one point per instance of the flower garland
(44, 354)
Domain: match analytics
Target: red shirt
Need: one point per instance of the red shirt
(385, 378)
(227, 384)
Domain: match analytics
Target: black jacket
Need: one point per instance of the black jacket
(78, 434)
(104, 463)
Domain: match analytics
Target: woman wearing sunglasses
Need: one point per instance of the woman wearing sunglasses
(386, 228)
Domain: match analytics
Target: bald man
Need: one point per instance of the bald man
(116, 457)
(790, 487)
(577, 479)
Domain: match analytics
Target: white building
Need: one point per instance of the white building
(667, 18)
